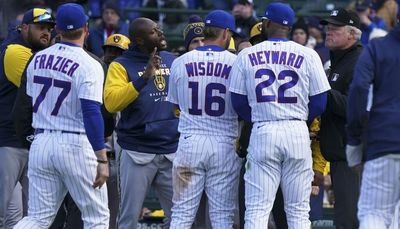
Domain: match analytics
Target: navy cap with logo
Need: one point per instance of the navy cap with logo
(37, 15)
(342, 17)
(193, 29)
(71, 16)
(220, 19)
(280, 13)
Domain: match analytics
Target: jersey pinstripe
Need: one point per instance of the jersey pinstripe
(199, 84)
(57, 78)
(278, 77)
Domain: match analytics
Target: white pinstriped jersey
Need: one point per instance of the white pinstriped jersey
(278, 77)
(57, 78)
(199, 84)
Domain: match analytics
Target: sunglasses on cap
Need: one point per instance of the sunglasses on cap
(45, 17)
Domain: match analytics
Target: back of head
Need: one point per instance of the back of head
(71, 18)
(280, 13)
(278, 18)
(218, 20)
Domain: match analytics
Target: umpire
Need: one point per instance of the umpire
(33, 35)
(342, 38)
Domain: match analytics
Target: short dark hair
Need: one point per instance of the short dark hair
(212, 32)
(72, 34)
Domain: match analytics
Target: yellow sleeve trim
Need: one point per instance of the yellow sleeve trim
(15, 59)
(118, 91)
(319, 162)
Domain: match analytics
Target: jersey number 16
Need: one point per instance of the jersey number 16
(209, 99)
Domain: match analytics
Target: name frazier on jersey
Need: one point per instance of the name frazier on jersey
(57, 63)
(275, 57)
(209, 69)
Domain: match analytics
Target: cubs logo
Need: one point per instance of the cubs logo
(117, 39)
(159, 81)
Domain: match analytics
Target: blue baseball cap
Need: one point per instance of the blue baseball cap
(220, 19)
(70, 16)
(280, 13)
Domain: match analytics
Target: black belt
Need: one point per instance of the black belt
(111, 155)
(41, 131)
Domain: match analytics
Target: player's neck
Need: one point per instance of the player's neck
(216, 42)
(78, 42)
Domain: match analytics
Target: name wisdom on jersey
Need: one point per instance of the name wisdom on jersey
(208, 69)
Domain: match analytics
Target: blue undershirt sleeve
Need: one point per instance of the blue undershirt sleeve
(316, 106)
(241, 105)
(93, 121)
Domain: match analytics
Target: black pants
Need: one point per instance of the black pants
(346, 188)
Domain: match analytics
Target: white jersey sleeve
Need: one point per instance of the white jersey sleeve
(89, 83)
(237, 78)
(173, 82)
(318, 79)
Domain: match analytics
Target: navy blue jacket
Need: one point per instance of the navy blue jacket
(96, 38)
(148, 124)
(8, 94)
(378, 65)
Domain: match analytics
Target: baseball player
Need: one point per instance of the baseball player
(137, 86)
(279, 85)
(115, 45)
(31, 36)
(68, 152)
(206, 158)
(380, 185)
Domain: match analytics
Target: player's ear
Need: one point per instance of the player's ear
(139, 41)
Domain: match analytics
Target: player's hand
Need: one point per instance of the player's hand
(318, 178)
(152, 65)
(101, 176)
(102, 172)
(314, 190)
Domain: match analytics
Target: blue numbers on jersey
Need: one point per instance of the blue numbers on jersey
(209, 99)
(47, 83)
(282, 88)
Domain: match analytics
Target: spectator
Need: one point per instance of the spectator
(342, 38)
(96, 11)
(315, 30)
(387, 10)
(193, 33)
(299, 32)
(244, 17)
(110, 24)
(368, 21)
